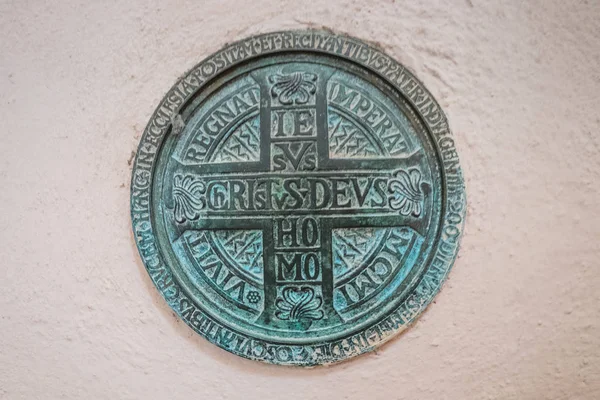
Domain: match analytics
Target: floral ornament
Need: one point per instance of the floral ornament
(407, 196)
(299, 303)
(296, 87)
(187, 194)
(253, 297)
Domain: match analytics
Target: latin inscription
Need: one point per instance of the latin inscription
(303, 196)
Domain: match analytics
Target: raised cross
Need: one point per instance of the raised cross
(306, 195)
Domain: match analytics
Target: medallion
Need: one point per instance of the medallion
(297, 198)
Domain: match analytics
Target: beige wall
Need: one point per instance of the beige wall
(519, 317)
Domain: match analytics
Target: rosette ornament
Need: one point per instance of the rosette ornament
(294, 88)
(299, 303)
(406, 193)
(187, 195)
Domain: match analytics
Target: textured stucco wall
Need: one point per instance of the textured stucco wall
(519, 317)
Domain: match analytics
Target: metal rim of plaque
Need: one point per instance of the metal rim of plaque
(297, 198)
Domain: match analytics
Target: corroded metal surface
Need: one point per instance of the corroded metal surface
(297, 198)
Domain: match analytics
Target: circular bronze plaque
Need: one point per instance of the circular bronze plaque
(297, 198)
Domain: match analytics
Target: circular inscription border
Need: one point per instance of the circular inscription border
(166, 119)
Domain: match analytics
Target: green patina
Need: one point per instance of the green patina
(297, 198)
